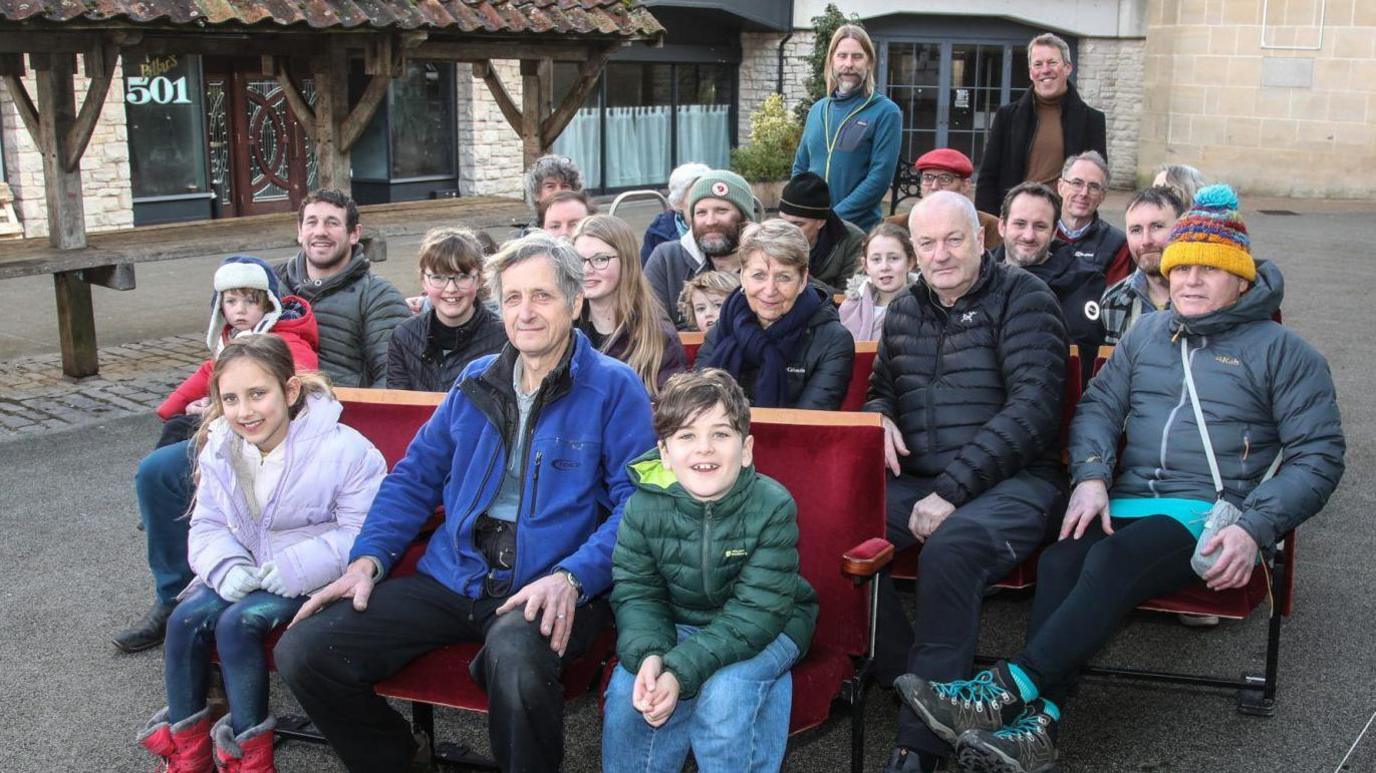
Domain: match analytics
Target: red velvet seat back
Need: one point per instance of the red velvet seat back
(390, 418)
(835, 472)
(860, 375)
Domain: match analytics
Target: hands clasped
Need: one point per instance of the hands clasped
(656, 691)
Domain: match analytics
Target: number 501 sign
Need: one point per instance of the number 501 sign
(157, 91)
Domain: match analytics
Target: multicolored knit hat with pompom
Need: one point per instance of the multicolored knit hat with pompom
(1211, 233)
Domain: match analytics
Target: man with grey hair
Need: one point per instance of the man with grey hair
(549, 175)
(1031, 138)
(1088, 238)
(528, 456)
(969, 380)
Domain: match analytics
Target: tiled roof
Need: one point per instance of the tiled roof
(596, 18)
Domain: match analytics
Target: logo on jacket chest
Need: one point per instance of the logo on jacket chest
(1092, 310)
(793, 369)
(968, 317)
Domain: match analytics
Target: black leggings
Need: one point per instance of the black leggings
(1085, 587)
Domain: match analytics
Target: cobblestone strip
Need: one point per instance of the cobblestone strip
(36, 398)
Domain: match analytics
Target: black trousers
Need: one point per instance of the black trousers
(332, 660)
(1086, 586)
(978, 545)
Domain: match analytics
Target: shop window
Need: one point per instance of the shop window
(166, 123)
(412, 134)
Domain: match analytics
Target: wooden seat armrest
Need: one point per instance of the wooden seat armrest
(866, 559)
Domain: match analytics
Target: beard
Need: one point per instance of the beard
(1149, 263)
(1011, 251)
(718, 241)
(849, 81)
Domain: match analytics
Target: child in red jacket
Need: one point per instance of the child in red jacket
(245, 300)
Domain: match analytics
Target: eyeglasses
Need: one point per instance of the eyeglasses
(441, 281)
(944, 178)
(1078, 185)
(599, 261)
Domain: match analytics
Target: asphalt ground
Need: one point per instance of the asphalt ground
(72, 573)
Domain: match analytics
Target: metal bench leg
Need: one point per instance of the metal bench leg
(1260, 700)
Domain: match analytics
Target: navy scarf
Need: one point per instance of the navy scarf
(741, 342)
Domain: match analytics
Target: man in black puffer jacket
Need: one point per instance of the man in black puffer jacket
(970, 380)
(355, 308)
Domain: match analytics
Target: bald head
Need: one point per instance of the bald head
(949, 243)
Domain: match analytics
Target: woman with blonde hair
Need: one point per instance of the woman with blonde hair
(621, 316)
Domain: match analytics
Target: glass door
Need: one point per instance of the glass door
(948, 92)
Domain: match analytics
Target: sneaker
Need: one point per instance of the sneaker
(1197, 621)
(148, 632)
(987, 702)
(1027, 745)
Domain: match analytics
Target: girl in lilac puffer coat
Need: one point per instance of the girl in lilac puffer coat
(282, 490)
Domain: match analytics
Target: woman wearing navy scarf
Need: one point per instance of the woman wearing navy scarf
(779, 335)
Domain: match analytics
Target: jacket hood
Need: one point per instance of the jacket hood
(317, 419)
(649, 473)
(690, 246)
(1258, 304)
(300, 283)
(824, 313)
(859, 285)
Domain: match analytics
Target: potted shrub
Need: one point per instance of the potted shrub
(766, 161)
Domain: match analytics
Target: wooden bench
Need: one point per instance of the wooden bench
(109, 257)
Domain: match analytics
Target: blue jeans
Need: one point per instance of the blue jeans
(236, 630)
(738, 720)
(163, 485)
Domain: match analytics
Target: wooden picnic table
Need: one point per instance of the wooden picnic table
(109, 257)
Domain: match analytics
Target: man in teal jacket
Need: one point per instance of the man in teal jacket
(852, 135)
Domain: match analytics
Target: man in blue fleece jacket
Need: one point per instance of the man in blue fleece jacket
(528, 456)
(852, 136)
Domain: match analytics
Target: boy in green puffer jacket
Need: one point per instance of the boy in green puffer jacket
(711, 611)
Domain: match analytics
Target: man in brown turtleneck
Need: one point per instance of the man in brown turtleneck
(1030, 139)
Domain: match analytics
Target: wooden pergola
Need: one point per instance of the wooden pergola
(296, 39)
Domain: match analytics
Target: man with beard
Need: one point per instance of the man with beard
(1027, 223)
(1031, 138)
(720, 203)
(1150, 216)
(355, 308)
(834, 243)
(852, 135)
(1083, 184)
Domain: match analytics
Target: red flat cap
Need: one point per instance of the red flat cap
(946, 158)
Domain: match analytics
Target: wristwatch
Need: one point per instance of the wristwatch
(577, 586)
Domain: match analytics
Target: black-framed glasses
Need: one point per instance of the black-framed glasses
(1078, 185)
(441, 281)
(600, 260)
(944, 178)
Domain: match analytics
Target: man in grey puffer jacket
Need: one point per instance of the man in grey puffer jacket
(1265, 396)
(355, 309)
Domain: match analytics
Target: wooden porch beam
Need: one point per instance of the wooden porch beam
(357, 119)
(100, 70)
(500, 95)
(23, 104)
(296, 100)
(57, 120)
(484, 50)
(532, 109)
(588, 73)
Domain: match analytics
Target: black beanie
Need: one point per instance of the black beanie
(806, 195)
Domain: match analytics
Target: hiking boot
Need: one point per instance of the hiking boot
(148, 632)
(1027, 745)
(247, 752)
(987, 702)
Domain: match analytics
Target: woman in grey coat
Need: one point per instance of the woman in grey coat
(1265, 396)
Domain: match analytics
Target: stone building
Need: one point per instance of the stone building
(1219, 84)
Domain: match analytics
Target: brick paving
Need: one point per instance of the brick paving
(36, 398)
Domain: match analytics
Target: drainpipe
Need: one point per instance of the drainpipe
(783, 43)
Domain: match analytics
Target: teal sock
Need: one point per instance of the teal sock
(1051, 709)
(1026, 689)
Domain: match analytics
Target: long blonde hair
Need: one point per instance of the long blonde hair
(270, 353)
(638, 311)
(857, 33)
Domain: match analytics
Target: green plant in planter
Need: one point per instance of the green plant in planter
(774, 137)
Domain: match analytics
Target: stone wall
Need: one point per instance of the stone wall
(105, 180)
(759, 71)
(489, 149)
(1276, 120)
(1108, 76)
